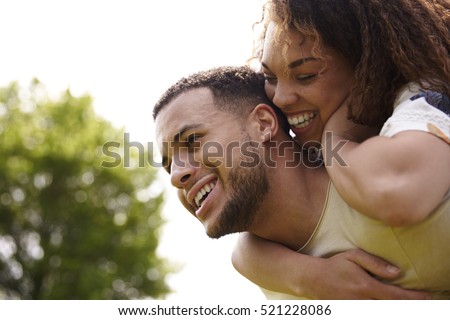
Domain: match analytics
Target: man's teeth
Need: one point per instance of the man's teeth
(302, 120)
(203, 191)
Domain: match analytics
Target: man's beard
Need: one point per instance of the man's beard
(249, 187)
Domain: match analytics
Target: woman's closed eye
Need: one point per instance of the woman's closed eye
(306, 77)
(270, 79)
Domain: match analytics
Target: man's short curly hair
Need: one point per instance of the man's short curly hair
(235, 89)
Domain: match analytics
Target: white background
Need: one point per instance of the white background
(125, 54)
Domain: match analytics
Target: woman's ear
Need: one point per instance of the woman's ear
(265, 121)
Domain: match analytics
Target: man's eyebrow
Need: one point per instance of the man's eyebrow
(177, 136)
(176, 139)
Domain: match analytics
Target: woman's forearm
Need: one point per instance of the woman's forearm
(346, 275)
(397, 180)
(271, 265)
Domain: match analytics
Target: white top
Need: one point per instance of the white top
(412, 111)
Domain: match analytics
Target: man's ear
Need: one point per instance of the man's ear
(264, 120)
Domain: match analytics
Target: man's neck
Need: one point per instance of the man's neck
(294, 204)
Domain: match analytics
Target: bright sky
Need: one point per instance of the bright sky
(125, 53)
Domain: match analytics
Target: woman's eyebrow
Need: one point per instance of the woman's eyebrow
(301, 61)
(293, 64)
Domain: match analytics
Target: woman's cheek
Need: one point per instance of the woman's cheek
(270, 91)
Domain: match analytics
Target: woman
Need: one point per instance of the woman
(324, 60)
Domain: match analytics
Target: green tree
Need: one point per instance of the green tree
(69, 227)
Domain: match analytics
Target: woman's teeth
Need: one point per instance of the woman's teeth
(301, 121)
(203, 193)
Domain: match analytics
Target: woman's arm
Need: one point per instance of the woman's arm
(398, 180)
(343, 276)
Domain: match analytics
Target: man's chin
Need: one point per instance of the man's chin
(214, 232)
(214, 236)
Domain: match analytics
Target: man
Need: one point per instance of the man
(238, 170)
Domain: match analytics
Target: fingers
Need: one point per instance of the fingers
(374, 265)
(380, 268)
(392, 292)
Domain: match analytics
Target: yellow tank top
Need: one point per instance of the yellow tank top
(422, 251)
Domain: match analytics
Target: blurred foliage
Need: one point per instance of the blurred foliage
(69, 227)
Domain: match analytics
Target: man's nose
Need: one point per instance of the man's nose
(181, 173)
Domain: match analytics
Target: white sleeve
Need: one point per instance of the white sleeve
(415, 113)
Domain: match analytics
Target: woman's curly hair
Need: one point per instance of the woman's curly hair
(388, 42)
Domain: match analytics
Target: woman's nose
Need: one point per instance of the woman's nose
(284, 96)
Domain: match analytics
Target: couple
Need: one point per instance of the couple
(323, 61)
(234, 176)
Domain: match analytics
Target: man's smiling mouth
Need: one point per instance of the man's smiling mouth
(203, 193)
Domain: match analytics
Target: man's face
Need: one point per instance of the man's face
(210, 157)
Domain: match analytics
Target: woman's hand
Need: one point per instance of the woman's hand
(355, 274)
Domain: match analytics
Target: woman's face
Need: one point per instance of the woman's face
(306, 87)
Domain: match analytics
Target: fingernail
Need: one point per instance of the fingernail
(392, 269)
